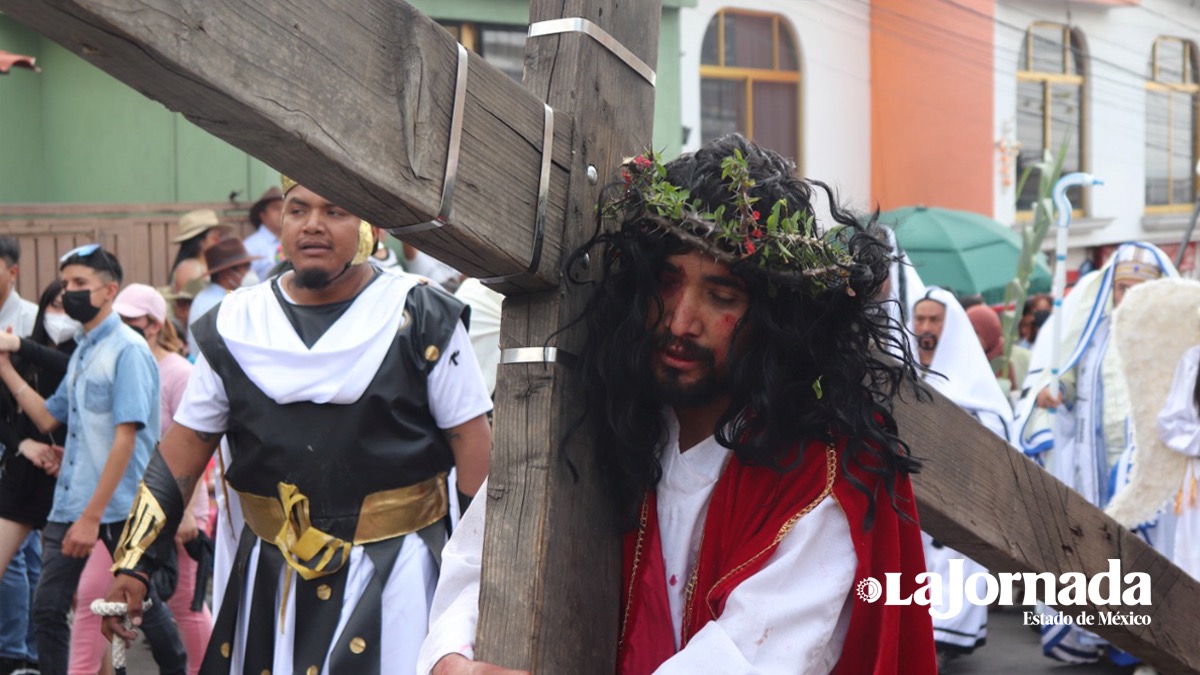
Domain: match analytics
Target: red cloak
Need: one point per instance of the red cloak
(751, 510)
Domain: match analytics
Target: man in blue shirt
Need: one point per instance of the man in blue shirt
(110, 400)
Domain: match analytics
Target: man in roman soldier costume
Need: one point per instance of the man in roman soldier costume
(739, 395)
(347, 396)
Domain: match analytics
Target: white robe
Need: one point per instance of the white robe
(337, 368)
(790, 617)
(18, 314)
(1087, 442)
(960, 371)
(1179, 428)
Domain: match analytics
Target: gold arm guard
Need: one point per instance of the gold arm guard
(146, 521)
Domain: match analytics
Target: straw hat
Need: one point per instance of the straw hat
(196, 223)
(190, 290)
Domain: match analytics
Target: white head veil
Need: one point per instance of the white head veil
(960, 368)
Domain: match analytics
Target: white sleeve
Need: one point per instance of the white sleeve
(791, 616)
(455, 611)
(457, 392)
(204, 406)
(1178, 423)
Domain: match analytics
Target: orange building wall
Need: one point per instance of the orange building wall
(931, 104)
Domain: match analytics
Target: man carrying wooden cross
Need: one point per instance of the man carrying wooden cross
(346, 395)
(742, 418)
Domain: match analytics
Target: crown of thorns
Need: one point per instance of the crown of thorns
(783, 245)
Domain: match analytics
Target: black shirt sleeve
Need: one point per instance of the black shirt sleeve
(47, 359)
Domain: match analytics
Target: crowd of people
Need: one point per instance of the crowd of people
(304, 422)
(1064, 404)
(99, 372)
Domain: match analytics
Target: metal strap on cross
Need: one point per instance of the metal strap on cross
(581, 25)
(517, 355)
(450, 180)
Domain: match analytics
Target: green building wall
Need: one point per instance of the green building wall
(21, 152)
(73, 134)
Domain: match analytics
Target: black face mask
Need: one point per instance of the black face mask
(78, 305)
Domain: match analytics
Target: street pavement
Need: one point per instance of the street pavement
(1015, 649)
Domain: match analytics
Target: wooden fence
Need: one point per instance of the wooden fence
(138, 234)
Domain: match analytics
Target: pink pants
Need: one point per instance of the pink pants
(87, 643)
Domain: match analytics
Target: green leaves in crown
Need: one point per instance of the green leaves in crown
(784, 245)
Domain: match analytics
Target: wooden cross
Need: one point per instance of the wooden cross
(363, 102)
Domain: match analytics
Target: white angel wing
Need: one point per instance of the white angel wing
(1155, 324)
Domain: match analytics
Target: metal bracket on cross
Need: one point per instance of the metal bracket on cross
(539, 226)
(606, 40)
(537, 355)
(452, 150)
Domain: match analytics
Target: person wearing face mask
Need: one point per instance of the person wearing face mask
(110, 399)
(27, 480)
(228, 267)
(145, 310)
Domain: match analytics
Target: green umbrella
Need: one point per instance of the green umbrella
(963, 252)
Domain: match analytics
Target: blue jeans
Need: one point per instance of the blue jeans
(16, 601)
(60, 577)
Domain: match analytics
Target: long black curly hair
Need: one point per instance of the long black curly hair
(838, 338)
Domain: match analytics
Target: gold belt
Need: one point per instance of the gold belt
(285, 522)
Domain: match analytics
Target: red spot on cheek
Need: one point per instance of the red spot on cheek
(728, 321)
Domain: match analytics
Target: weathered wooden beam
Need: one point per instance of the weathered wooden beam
(351, 99)
(986, 499)
(551, 570)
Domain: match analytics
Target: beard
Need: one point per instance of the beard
(927, 342)
(669, 387)
(312, 279)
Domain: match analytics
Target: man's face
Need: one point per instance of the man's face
(319, 238)
(84, 278)
(929, 317)
(1121, 287)
(233, 277)
(8, 278)
(272, 214)
(703, 305)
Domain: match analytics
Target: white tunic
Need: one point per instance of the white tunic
(17, 314)
(790, 617)
(961, 372)
(336, 369)
(1179, 428)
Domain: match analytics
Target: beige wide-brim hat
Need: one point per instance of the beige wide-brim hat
(196, 223)
(190, 290)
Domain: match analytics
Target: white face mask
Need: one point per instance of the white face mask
(61, 327)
